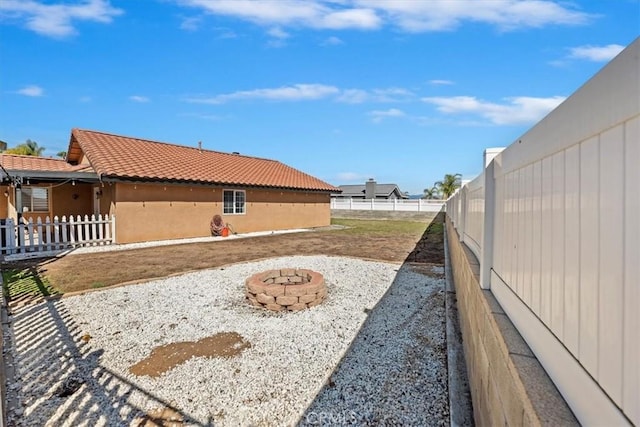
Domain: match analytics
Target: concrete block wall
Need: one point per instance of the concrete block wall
(508, 384)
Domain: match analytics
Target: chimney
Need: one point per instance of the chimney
(200, 146)
(370, 189)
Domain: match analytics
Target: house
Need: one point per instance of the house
(370, 190)
(162, 191)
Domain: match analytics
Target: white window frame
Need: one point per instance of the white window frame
(29, 205)
(236, 209)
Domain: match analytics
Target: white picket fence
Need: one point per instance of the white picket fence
(411, 205)
(44, 238)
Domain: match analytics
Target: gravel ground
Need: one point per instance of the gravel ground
(373, 353)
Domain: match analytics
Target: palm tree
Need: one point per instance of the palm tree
(62, 154)
(448, 185)
(28, 148)
(430, 193)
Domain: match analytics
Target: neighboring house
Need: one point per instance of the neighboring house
(163, 191)
(370, 190)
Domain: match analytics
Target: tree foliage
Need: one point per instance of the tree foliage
(449, 185)
(443, 189)
(28, 148)
(430, 193)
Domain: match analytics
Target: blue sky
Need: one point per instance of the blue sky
(400, 91)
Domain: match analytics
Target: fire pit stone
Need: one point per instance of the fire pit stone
(289, 289)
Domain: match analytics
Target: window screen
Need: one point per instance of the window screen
(35, 199)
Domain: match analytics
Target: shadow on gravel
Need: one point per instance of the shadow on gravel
(62, 381)
(395, 370)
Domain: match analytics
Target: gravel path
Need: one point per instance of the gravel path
(373, 353)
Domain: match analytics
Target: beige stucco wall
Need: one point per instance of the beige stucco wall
(147, 212)
(70, 199)
(4, 201)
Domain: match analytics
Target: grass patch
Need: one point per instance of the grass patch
(378, 227)
(435, 228)
(25, 283)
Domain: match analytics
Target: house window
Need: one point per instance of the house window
(35, 199)
(233, 201)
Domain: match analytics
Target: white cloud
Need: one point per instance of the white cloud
(408, 15)
(392, 94)
(364, 19)
(443, 15)
(517, 110)
(437, 82)
(85, 99)
(332, 41)
(138, 98)
(278, 33)
(309, 92)
(312, 13)
(278, 37)
(378, 116)
(31, 90)
(191, 23)
(595, 53)
(353, 96)
(297, 92)
(225, 33)
(358, 96)
(57, 20)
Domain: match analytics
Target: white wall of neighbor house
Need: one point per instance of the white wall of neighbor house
(555, 221)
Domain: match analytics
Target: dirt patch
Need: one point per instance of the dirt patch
(167, 357)
(380, 239)
(432, 270)
(160, 417)
(430, 247)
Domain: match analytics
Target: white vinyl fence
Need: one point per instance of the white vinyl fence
(411, 205)
(43, 238)
(555, 223)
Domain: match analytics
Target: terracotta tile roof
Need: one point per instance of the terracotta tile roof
(138, 159)
(16, 162)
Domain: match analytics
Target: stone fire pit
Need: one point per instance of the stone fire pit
(286, 289)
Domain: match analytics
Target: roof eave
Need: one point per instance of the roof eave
(53, 174)
(146, 180)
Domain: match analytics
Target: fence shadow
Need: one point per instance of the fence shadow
(395, 370)
(62, 382)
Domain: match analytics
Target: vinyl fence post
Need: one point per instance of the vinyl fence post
(486, 249)
(463, 212)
